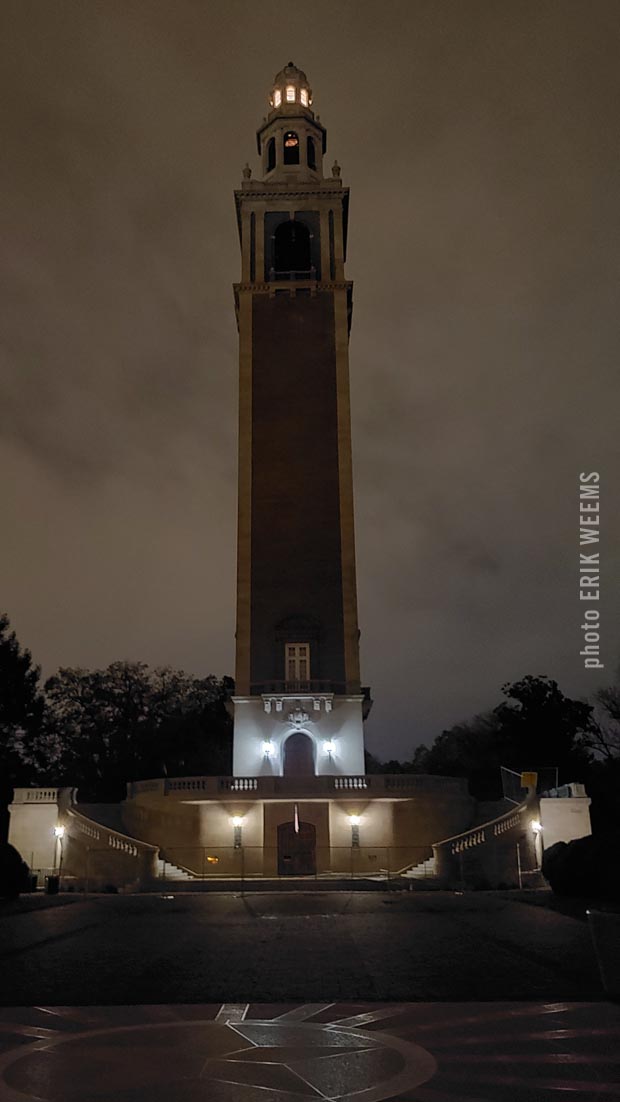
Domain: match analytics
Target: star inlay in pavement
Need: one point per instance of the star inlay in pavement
(401, 1052)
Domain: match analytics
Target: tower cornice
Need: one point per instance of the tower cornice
(291, 289)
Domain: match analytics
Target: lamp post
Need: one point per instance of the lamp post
(536, 826)
(59, 833)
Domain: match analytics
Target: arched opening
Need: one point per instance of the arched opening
(291, 148)
(271, 154)
(310, 153)
(292, 247)
(298, 756)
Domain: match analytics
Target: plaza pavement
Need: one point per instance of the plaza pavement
(286, 998)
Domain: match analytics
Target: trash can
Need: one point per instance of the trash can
(52, 883)
(605, 933)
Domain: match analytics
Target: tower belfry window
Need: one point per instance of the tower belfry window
(292, 251)
(291, 148)
(290, 93)
(304, 97)
(277, 97)
(271, 154)
(310, 153)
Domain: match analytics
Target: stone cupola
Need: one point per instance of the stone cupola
(291, 141)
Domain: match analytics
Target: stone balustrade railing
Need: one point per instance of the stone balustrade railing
(87, 842)
(36, 795)
(487, 852)
(265, 785)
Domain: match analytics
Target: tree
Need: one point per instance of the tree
(604, 737)
(21, 708)
(540, 726)
(471, 750)
(125, 723)
(604, 773)
(535, 726)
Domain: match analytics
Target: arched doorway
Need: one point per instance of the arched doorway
(298, 756)
(296, 849)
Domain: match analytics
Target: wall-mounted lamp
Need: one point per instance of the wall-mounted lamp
(329, 746)
(237, 824)
(536, 826)
(268, 748)
(355, 821)
(59, 832)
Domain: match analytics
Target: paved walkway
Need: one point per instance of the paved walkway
(420, 1052)
(298, 997)
(206, 948)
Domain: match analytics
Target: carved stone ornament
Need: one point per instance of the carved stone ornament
(298, 716)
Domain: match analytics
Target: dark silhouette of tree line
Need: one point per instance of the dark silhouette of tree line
(98, 729)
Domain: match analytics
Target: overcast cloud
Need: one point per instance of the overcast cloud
(479, 140)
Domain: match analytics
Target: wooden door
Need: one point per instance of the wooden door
(296, 849)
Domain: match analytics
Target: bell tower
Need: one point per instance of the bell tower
(299, 704)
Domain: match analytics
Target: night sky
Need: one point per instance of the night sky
(479, 140)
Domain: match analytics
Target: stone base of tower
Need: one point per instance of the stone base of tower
(192, 831)
(314, 734)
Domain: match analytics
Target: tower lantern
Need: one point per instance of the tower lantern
(291, 142)
(298, 686)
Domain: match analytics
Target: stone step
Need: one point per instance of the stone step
(166, 871)
(423, 871)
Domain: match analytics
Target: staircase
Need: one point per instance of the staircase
(166, 871)
(425, 870)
